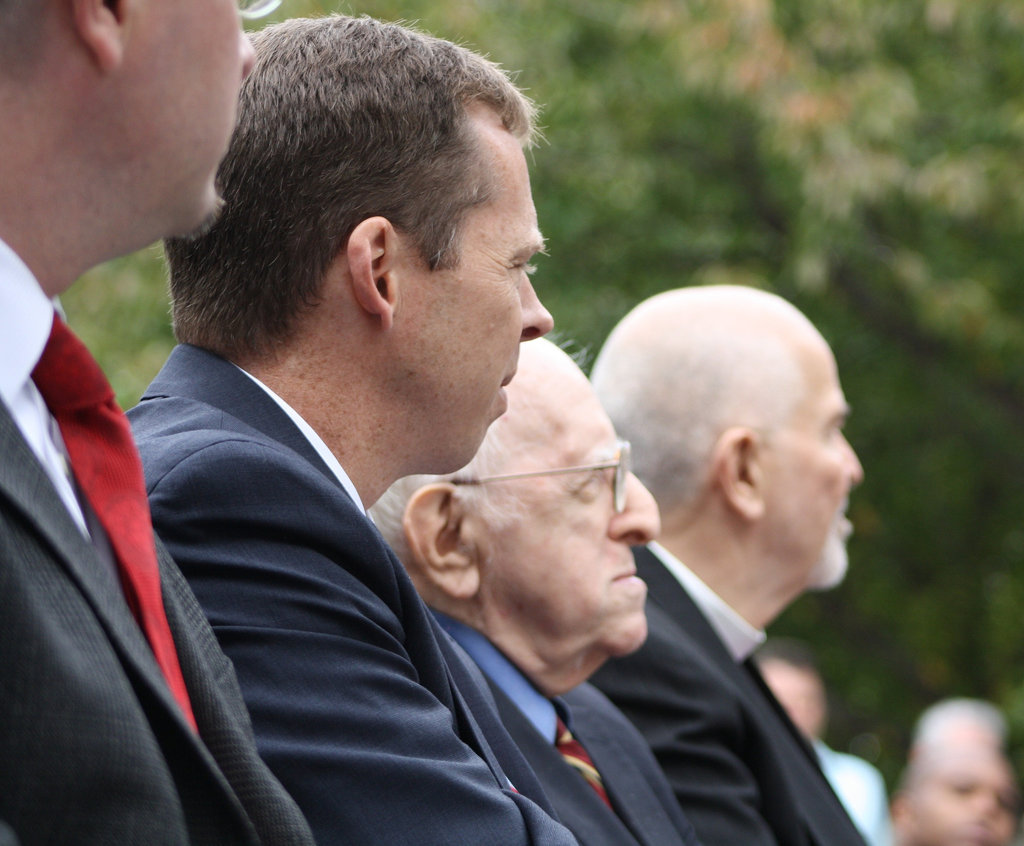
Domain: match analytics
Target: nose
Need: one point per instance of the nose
(537, 320)
(639, 523)
(246, 52)
(856, 470)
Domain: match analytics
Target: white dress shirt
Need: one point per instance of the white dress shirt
(26, 315)
(739, 637)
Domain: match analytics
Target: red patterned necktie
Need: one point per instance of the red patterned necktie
(107, 468)
(576, 756)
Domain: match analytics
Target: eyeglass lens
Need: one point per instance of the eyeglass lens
(622, 471)
(251, 9)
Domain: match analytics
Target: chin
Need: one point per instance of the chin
(831, 568)
(630, 640)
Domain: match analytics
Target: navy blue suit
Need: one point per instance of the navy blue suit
(363, 708)
(738, 766)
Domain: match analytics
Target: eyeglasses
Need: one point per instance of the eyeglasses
(621, 462)
(250, 9)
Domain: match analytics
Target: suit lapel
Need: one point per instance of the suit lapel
(576, 804)
(629, 790)
(822, 814)
(29, 491)
(480, 725)
(665, 592)
(197, 374)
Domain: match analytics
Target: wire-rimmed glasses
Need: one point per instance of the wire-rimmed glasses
(621, 462)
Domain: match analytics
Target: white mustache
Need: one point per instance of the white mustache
(842, 525)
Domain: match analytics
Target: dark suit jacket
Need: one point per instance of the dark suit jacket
(740, 769)
(361, 705)
(646, 813)
(93, 748)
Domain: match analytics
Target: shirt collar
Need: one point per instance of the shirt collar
(537, 708)
(315, 441)
(740, 638)
(26, 315)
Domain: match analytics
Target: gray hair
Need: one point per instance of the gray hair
(492, 459)
(937, 722)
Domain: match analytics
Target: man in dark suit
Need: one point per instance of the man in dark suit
(121, 720)
(732, 400)
(351, 317)
(525, 556)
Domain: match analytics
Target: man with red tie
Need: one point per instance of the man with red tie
(120, 718)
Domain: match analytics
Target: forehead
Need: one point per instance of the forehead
(975, 768)
(553, 411)
(511, 199)
(822, 395)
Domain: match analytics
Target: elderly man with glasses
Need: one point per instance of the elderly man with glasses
(524, 556)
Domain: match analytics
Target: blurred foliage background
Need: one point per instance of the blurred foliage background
(862, 158)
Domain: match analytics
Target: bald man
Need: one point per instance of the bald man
(525, 556)
(732, 400)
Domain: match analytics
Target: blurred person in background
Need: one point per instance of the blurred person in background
(959, 721)
(959, 791)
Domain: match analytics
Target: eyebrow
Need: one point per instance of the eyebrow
(536, 245)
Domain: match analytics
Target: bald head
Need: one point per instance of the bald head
(686, 364)
(732, 402)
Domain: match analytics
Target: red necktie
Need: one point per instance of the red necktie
(108, 471)
(578, 758)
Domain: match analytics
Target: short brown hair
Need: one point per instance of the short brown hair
(341, 119)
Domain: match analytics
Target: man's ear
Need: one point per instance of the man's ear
(101, 27)
(434, 529)
(737, 467)
(374, 251)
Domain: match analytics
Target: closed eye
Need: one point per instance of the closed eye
(590, 486)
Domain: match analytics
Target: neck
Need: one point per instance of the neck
(553, 674)
(348, 420)
(57, 206)
(727, 561)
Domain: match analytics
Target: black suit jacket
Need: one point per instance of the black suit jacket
(646, 813)
(93, 748)
(739, 768)
(361, 706)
